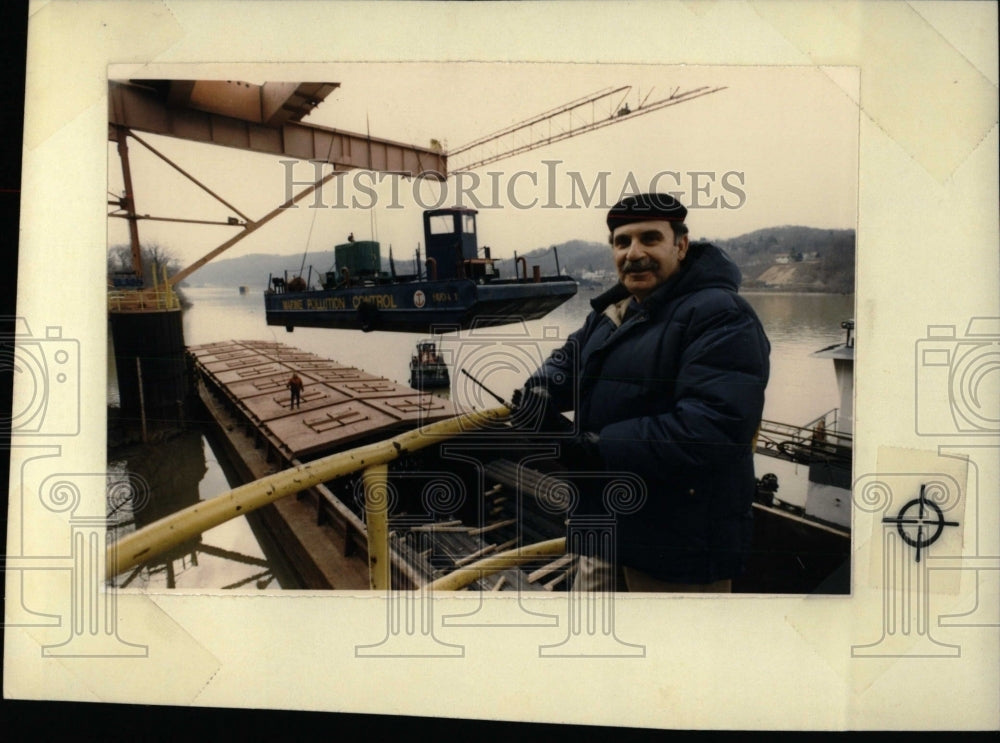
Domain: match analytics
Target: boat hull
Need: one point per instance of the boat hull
(794, 554)
(430, 377)
(419, 306)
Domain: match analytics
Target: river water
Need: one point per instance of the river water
(234, 555)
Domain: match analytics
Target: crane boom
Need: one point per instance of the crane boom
(531, 139)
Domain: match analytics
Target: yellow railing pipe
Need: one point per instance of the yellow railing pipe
(154, 539)
(462, 577)
(376, 481)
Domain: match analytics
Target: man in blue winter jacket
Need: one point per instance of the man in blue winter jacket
(669, 371)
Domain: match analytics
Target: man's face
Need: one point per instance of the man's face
(646, 256)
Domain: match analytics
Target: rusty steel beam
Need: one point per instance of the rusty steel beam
(250, 228)
(128, 204)
(187, 175)
(231, 222)
(172, 109)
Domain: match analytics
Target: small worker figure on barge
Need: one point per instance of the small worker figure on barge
(295, 386)
(669, 371)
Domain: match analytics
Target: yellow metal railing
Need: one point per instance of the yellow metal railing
(376, 482)
(142, 300)
(160, 296)
(462, 577)
(159, 536)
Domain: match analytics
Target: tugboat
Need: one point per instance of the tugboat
(455, 288)
(428, 369)
(806, 548)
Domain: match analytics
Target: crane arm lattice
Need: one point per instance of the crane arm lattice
(595, 111)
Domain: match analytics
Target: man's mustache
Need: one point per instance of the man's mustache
(639, 266)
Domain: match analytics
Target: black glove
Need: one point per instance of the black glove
(582, 453)
(532, 410)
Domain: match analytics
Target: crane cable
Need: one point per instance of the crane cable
(312, 224)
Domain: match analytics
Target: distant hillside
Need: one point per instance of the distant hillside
(795, 259)
(787, 258)
(583, 260)
(253, 270)
(776, 258)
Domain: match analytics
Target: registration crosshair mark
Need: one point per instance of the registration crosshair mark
(933, 522)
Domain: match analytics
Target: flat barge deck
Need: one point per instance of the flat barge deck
(449, 509)
(243, 385)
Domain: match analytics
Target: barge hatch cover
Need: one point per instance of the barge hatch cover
(340, 405)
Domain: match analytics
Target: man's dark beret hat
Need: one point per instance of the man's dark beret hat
(644, 207)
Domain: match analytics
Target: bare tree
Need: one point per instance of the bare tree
(154, 258)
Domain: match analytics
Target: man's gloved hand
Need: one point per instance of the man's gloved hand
(532, 410)
(582, 452)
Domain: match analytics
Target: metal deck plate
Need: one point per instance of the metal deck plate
(329, 428)
(269, 384)
(309, 366)
(289, 356)
(277, 404)
(340, 404)
(368, 387)
(416, 407)
(232, 361)
(262, 346)
(330, 371)
(262, 368)
(209, 349)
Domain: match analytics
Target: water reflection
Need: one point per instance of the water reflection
(178, 473)
(794, 319)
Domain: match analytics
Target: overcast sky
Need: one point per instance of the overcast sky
(778, 145)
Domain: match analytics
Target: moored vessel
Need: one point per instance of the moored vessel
(428, 369)
(805, 547)
(455, 287)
